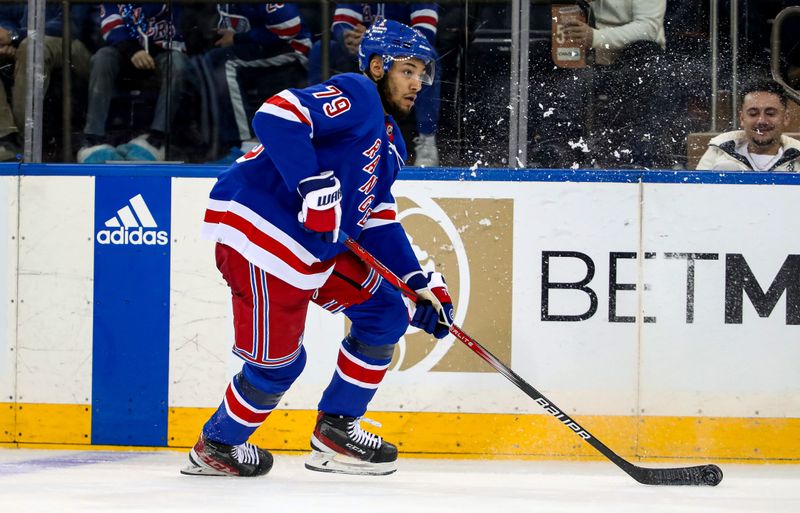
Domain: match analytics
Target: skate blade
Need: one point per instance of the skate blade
(339, 464)
(197, 468)
(193, 470)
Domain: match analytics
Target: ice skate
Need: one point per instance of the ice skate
(339, 445)
(208, 458)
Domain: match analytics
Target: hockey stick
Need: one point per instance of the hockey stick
(709, 475)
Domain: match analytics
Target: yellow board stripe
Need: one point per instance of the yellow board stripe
(482, 435)
(46, 423)
(460, 434)
(8, 420)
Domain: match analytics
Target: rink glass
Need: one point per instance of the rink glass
(649, 109)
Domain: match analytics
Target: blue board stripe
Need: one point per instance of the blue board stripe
(130, 350)
(598, 175)
(426, 174)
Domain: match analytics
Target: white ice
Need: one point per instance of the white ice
(33, 481)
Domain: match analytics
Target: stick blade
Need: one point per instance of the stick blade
(701, 475)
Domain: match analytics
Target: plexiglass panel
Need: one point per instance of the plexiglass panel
(610, 83)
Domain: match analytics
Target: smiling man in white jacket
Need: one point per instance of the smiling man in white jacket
(761, 144)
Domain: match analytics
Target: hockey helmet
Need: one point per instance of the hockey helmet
(394, 41)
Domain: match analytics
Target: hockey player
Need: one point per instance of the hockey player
(327, 160)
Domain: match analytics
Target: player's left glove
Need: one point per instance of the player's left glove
(321, 211)
(434, 313)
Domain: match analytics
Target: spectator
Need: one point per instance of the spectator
(619, 24)
(350, 21)
(628, 43)
(14, 46)
(761, 144)
(142, 39)
(251, 37)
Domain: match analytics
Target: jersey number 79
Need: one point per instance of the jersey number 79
(336, 106)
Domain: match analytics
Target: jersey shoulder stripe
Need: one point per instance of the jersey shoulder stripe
(287, 106)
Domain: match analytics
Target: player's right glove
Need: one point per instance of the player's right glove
(434, 313)
(321, 211)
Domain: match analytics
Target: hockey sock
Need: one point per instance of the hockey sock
(359, 371)
(243, 410)
(249, 399)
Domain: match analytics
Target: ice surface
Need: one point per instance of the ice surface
(93, 481)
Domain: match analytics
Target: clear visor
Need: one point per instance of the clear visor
(425, 73)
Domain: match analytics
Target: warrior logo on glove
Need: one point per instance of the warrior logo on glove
(321, 211)
(329, 199)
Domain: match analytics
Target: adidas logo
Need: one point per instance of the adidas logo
(133, 224)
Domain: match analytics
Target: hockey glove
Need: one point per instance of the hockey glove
(434, 313)
(321, 211)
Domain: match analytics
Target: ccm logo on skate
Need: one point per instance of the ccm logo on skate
(555, 412)
(355, 448)
(218, 465)
(133, 224)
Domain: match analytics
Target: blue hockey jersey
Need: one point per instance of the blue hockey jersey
(133, 26)
(338, 125)
(266, 24)
(424, 17)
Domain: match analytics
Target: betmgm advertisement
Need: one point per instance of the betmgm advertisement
(662, 316)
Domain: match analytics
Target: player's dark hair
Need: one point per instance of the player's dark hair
(763, 85)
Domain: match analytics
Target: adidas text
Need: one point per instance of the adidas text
(135, 236)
